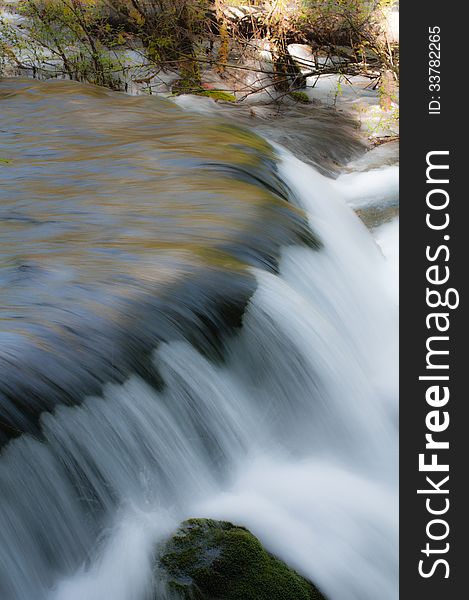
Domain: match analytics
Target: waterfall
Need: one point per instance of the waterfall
(288, 428)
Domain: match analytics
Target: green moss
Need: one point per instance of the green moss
(189, 87)
(213, 560)
(300, 97)
(218, 95)
(4, 161)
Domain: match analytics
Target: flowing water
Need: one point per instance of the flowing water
(193, 323)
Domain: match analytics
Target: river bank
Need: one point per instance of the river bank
(347, 79)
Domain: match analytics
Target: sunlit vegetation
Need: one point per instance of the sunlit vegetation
(86, 40)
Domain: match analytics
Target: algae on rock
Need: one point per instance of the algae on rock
(216, 560)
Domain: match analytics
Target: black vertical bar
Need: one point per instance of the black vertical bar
(443, 129)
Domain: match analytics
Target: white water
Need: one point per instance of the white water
(295, 436)
(387, 236)
(377, 187)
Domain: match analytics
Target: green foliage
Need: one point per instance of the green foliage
(209, 560)
(82, 39)
(387, 124)
(360, 9)
(169, 29)
(72, 34)
(79, 35)
(356, 23)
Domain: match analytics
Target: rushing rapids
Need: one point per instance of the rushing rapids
(192, 324)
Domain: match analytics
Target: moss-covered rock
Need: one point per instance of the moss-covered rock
(218, 95)
(215, 560)
(301, 97)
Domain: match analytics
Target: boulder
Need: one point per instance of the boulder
(303, 56)
(216, 560)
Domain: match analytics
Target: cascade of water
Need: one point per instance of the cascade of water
(293, 434)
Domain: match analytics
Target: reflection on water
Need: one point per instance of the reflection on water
(107, 202)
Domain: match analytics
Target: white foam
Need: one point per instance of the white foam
(377, 187)
(387, 236)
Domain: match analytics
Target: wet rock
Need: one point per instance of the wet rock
(216, 560)
(303, 56)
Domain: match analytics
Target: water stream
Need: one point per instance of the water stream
(192, 323)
